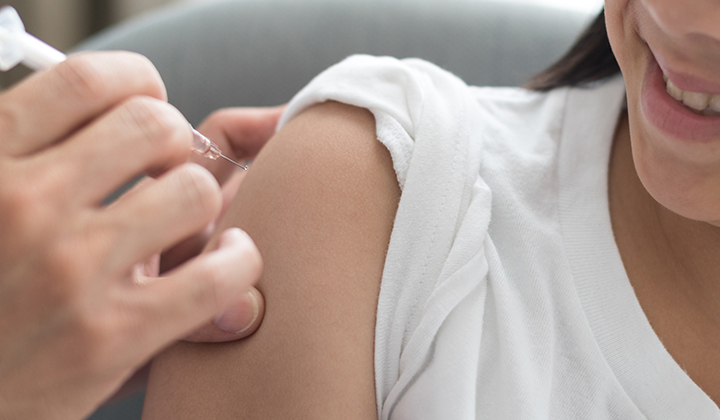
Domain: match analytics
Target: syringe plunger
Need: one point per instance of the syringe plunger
(18, 46)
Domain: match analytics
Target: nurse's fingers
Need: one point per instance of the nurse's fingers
(239, 321)
(240, 133)
(142, 135)
(160, 213)
(50, 105)
(185, 299)
(192, 246)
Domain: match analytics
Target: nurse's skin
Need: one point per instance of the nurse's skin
(665, 175)
(81, 304)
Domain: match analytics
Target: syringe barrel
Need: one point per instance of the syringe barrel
(39, 55)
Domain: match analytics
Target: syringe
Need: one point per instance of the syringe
(18, 46)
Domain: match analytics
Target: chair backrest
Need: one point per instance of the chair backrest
(213, 54)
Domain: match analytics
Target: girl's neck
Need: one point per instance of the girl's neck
(673, 264)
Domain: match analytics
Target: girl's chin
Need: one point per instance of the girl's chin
(681, 188)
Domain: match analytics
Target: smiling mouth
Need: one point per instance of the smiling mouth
(700, 103)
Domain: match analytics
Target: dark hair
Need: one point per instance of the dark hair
(590, 59)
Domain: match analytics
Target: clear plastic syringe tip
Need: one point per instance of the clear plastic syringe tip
(11, 31)
(203, 146)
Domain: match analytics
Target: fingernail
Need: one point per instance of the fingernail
(241, 316)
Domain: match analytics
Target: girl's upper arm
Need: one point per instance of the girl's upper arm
(319, 201)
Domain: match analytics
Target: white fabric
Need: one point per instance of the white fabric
(503, 294)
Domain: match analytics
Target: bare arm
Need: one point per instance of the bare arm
(319, 201)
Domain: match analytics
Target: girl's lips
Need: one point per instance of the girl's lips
(685, 81)
(671, 116)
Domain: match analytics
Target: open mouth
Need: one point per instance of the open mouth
(692, 117)
(699, 102)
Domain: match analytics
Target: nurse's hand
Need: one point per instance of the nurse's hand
(240, 133)
(78, 311)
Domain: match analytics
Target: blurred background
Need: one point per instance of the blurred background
(64, 23)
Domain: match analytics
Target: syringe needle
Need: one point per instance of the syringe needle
(210, 150)
(243, 167)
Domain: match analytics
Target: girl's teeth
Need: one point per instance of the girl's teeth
(695, 100)
(704, 103)
(674, 91)
(715, 103)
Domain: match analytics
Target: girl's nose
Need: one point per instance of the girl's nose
(681, 18)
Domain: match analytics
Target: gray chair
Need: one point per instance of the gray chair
(215, 54)
(260, 52)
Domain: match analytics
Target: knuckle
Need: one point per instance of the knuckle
(44, 182)
(145, 68)
(160, 124)
(30, 214)
(252, 259)
(94, 333)
(71, 263)
(206, 292)
(62, 263)
(10, 120)
(94, 76)
(15, 202)
(84, 77)
(217, 283)
(21, 207)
